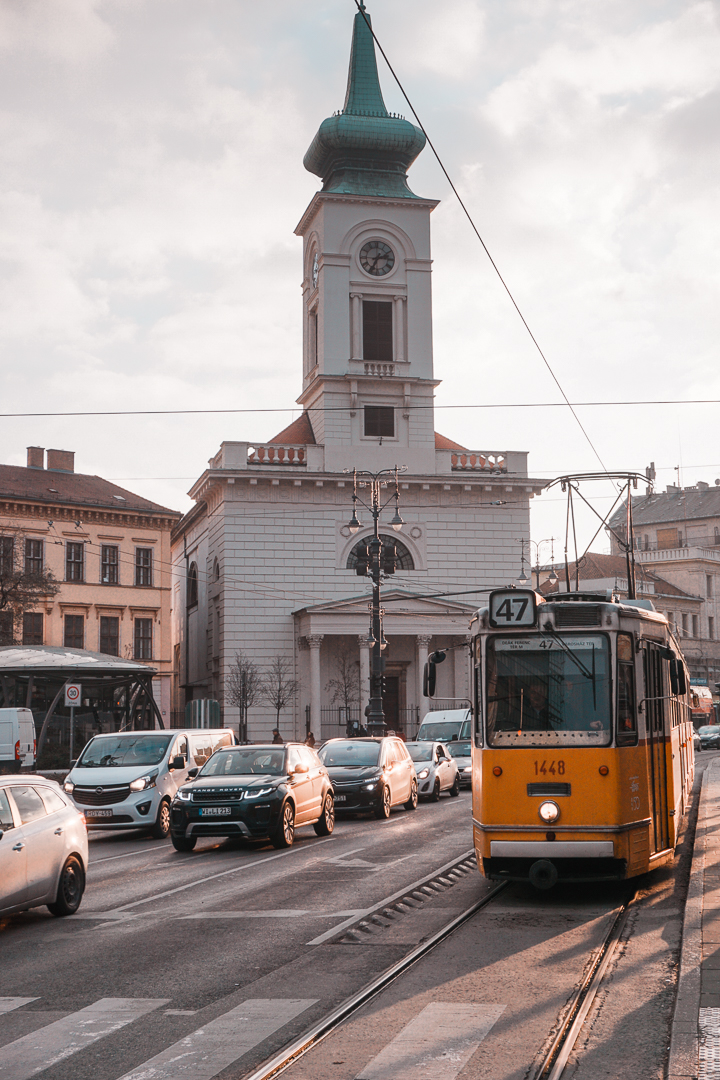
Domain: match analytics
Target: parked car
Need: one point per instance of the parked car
(257, 792)
(128, 780)
(436, 769)
(444, 726)
(462, 752)
(697, 741)
(709, 736)
(17, 740)
(370, 774)
(43, 847)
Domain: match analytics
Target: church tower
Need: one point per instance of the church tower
(367, 306)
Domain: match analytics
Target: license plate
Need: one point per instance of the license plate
(341, 798)
(223, 811)
(98, 813)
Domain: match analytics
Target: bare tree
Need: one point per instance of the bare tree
(344, 686)
(243, 688)
(24, 581)
(278, 686)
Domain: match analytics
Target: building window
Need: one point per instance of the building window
(34, 557)
(404, 560)
(711, 627)
(668, 538)
(685, 622)
(671, 619)
(74, 632)
(7, 555)
(192, 585)
(32, 628)
(313, 342)
(695, 626)
(378, 331)
(109, 566)
(143, 566)
(110, 635)
(74, 563)
(143, 639)
(7, 628)
(380, 421)
(708, 585)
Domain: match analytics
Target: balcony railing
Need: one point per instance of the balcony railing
(276, 455)
(476, 462)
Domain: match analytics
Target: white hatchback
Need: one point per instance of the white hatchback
(43, 847)
(436, 769)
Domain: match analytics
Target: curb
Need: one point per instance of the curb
(683, 1062)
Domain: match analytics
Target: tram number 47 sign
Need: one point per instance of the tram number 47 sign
(512, 608)
(73, 694)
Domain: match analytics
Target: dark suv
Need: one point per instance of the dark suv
(370, 774)
(259, 792)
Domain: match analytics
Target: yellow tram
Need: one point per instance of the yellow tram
(582, 739)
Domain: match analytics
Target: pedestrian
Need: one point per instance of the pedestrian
(277, 737)
(310, 740)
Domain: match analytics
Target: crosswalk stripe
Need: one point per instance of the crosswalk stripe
(436, 1045)
(8, 1004)
(206, 1052)
(39, 1050)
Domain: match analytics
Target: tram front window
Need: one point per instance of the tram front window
(548, 690)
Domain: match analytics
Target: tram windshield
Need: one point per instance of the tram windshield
(548, 690)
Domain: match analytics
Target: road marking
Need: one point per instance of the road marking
(129, 854)
(41, 1049)
(8, 1004)
(389, 899)
(206, 1052)
(281, 913)
(436, 1045)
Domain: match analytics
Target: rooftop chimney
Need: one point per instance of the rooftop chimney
(36, 457)
(61, 460)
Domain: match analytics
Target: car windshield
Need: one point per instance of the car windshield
(709, 729)
(548, 690)
(350, 753)
(250, 761)
(443, 731)
(107, 751)
(459, 749)
(420, 751)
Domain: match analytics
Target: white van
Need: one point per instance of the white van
(127, 779)
(444, 726)
(17, 740)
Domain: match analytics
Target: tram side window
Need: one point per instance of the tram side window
(626, 715)
(477, 706)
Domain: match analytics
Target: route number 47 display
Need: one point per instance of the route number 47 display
(516, 607)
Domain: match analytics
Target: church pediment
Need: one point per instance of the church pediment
(405, 613)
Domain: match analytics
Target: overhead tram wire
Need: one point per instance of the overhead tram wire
(475, 229)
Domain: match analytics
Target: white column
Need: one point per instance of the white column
(399, 328)
(364, 676)
(422, 642)
(314, 642)
(355, 328)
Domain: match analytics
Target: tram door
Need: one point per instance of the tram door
(657, 761)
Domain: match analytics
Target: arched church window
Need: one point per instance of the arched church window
(192, 585)
(216, 570)
(404, 558)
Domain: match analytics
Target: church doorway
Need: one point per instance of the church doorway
(391, 702)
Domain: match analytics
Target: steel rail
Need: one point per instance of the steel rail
(326, 1026)
(554, 1061)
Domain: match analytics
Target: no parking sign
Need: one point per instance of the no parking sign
(73, 693)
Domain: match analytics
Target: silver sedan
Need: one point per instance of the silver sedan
(436, 769)
(43, 847)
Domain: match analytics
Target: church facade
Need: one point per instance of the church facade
(265, 563)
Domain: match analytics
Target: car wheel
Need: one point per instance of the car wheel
(70, 888)
(455, 789)
(325, 825)
(435, 792)
(411, 804)
(184, 843)
(382, 810)
(285, 832)
(162, 822)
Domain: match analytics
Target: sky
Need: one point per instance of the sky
(151, 178)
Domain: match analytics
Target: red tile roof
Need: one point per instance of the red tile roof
(299, 433)
(595, 565)
(53, 486)
(443, 443)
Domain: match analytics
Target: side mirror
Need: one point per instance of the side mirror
(1, 834)
(177, 762)
(73, 763)
(301, 767)
(192, 773)
(429, 673)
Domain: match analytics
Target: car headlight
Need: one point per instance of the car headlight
(69, 787)
(467, 768)
(143, 782)
(372, 786)
(424, 774)
(549, 812)
(257, 792)
(184, 796)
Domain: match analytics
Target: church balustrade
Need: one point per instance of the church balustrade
(373, 368)
(478, 462)
(276, 455)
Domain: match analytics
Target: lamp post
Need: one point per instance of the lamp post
(373, 564)
(523, 577)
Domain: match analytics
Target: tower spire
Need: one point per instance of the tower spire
(363, 96)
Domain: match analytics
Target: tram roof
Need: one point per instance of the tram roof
(38, 659)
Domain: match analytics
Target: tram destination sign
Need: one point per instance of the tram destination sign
(513, 608)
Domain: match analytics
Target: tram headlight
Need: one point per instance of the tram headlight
(549, 812)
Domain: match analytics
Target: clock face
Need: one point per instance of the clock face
(377, 258)
(315, 271)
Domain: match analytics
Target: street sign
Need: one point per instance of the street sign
(73, 693)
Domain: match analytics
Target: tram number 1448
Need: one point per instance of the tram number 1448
(555, 768)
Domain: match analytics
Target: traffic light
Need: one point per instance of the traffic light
(388, 559)
(363, 561)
